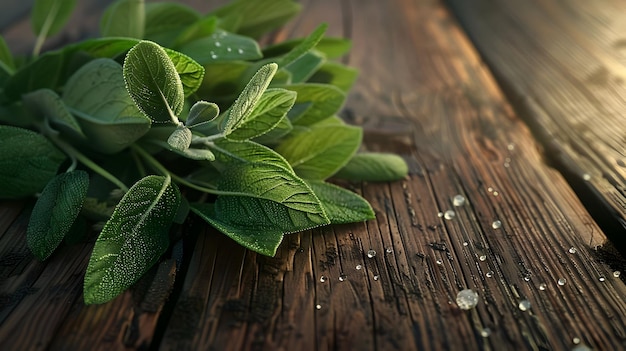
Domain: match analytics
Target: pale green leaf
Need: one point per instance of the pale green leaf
(374, 167)
(165, 21)
(272, 137)
(55, 212)
(304, 46)
(260, 16)
(133, 239)
(229, 153)
(180, 139)
(6, 58)
(47, 103)
(248, 98)
(190, 72)
(266, 114)
(201, 112)
(341, 205)
(262, 240)
(315, 102)
(305, 66)
(153, 82)
(108, 117)
(332, 48)
(124, 18)
(341, 76)
(222, 46)
(27, 162)
(320, 152)
(49, 16)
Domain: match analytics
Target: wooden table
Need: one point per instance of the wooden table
(518, 106)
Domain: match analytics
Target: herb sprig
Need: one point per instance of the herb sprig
(171, 112)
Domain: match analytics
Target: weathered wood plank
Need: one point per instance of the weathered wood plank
(562, 64)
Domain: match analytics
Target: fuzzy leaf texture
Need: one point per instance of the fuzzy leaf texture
(153, 82)
(27, 162)
(133, 239)
(374, 167)
(341, 205)
(55, 212)
(180, 139)
(202, 112)
(189, 71)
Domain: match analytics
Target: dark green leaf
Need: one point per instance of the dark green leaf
(320, 152)
(124, 18)
(104, 109)
(341, 205)
(374, 167)
(266, 114)
(272, 137)
(202, 112)
(55, 211)
(222, 46)
(315, 102)
(199, 29)
(27, 162)
(49, 16)
(303, 46)
(341, 76)
(221, 81)
(46, 103)
(133, 239)
(305, 66)
(260, 16)
(262, 240)
(190, 72)
(165, 21)
(153, 82)
(6, 58)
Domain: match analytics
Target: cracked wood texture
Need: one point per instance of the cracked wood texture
(423, 93)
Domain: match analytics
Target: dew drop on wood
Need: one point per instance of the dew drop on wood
(467, 299)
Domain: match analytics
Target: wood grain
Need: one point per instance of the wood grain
(425, 94)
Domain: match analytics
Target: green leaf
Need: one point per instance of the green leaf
(332, 48)
(165, 21)
(190, 72)
(153, 82)
(49, 16)
(55, 212)
(6, 58)
(248, 98)
(266, 114)
(46, 103)
(222, 46)
(260, 16)
(27, 162)
(262, 240)
(303, 46)
(341, 205)
(341, 76)
(124, 18)
(109, 118)
(133, 239)
(305, 66)
(315, 102)
(199, 29)
(231, 153)
(283, 128)
(202, 112)
(374, 167)
(320, 152)
(180, 139)
(221, 81)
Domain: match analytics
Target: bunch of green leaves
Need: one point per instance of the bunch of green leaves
(174, 112)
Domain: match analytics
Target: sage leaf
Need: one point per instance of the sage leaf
(47, 103)
(49, 16)
(267, 196)
(107, 115)
(333, 73)
(153, 82)
(202, 112)
(330, 47)
(203, 27)
(180, 139)
(315, 102)
(320, 152)
(220, 81)
(133, 239)
(260, 16)
(266, 114)
(27, 162)
(304, 67)
(165, 21)
(248, 98)
(222, 46)
(374, 167)
(262, 240)
(303, 46)
(55, 212)
(6, 58)
(341, 205)
(124, 18)
(273, 136)
(189, 71)
(229, 153)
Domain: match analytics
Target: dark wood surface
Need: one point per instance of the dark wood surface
(425, 93)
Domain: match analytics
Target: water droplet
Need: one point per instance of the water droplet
(439, 262)
(376, 277)
(572, 250)
(388, 250)
(240, 51)
(576, 341)
(562, 281)
(496, 224)
(465, 243)
(527, 278)
(318, 307)
(489, 274)
(359, 267)
(543, 286)
(482, 257)
(507, 165)
(524, 305)
(218, 44)
(616, 274)
(510, 147)
(213, 56)
(440, 214)
(323, 279)
(495, 193)
(371, 253)
(229, 49)
(467, 299)
(449, 214)
(485, 332)
(343, 277)
(458, 200)
(601, 278)
(587, 176)
(507, 160)
(490, 189)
